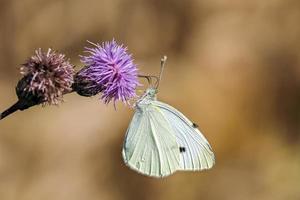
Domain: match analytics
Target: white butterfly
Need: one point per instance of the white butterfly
(160, 140)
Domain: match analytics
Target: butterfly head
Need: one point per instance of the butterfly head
(151, 92)
(149, 95)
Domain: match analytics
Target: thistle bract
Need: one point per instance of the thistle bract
(84, 85)
(108, 69)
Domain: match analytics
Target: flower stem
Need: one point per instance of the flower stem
(11, 110)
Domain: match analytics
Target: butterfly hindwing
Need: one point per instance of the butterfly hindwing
(196, 153)
(150, 146)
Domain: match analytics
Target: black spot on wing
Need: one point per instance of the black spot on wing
(195, 125)
(181, 149)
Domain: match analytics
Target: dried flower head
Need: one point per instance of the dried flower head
(47, 76)
(110, 70)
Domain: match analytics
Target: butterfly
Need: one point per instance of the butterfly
(161, 140)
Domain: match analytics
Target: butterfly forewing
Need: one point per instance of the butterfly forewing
(196, 153)
(150, 146)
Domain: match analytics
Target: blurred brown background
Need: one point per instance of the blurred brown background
(233, 68)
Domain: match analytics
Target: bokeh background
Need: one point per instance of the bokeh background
(233, 68)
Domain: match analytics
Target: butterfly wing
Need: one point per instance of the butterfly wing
(196, 153)
(150, 146)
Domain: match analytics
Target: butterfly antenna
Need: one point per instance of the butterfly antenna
(149, 78)
(163, 61)
(146, 77)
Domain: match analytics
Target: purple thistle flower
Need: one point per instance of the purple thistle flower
(110, 70)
